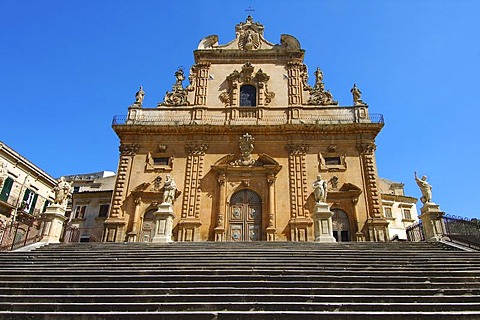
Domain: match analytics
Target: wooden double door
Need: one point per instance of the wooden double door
(245, 216)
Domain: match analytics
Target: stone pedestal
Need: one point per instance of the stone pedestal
(163, 223)
(53, 219)
(431, 216)
(322, 223)
(377, 230)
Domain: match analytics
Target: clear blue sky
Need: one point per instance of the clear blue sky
(67, 67)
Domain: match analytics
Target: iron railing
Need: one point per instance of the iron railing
(415, 232)
(462, 230)
(17, 234)
(455, 229)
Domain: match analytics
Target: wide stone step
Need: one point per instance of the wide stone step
(106, 290)
(176, 277)
(242, 315)
(285, 297)
(237, 306)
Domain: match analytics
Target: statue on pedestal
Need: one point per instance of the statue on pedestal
(62, 191)
(357, 94)
(169, 190)
(425, 188)
(139, 96)
(320, 190)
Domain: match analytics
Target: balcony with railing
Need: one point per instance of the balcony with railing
(238, 116)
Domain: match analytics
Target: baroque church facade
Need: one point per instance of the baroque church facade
(243, 142)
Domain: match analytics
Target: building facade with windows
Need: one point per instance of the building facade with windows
(26, 190)
(243, 141)
(92, 194)
(399, 210)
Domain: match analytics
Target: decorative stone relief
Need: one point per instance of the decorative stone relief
(249, 34)
(246, 148)
(179, 95)
(318, 94)
(247, 76)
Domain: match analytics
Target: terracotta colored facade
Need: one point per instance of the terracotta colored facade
(243, 141)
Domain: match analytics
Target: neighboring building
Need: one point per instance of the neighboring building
(92, 194)
(244, 141)
(26, 190)
(399, 210)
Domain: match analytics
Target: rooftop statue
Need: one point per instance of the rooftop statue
(139, 96)
(179, 95)
(425, 188)
(318, 94)
(357, 94)
(62, 190)
(320, 190)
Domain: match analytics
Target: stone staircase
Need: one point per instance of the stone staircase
(255, 280)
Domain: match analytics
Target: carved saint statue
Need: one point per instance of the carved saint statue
(139, 96)
(357, 94)
(62, 191)
(320, 190)
(169, 190)
(425, 188)
(3, 172)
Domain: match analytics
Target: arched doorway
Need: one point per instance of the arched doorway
(245, 216)
(340, 225)
(148, 227)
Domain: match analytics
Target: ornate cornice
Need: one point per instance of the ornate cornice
(297, 148)
(128, 149)
(196, 148)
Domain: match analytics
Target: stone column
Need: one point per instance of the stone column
(133, 235)
(431, 216)
(271, 208)
(53, 219)
(322, 223)
(220, 228)
(359, 237)
(163, 223)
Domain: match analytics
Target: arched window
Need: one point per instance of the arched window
(248, 96)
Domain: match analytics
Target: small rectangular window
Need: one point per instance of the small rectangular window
(80, 212)
(406, 214)
(161, 161)
(103, 212)
(332, 161)
(388, 212)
